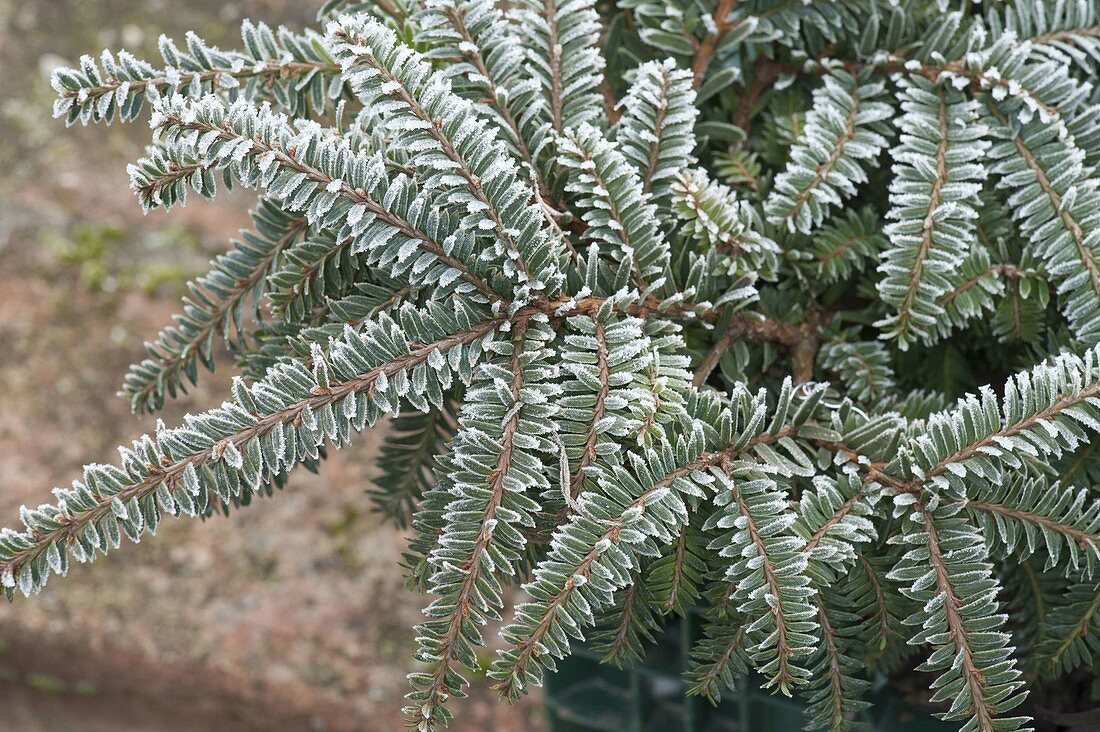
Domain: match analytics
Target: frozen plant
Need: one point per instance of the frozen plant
(672, 307)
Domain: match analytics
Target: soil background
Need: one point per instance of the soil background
(289, 615)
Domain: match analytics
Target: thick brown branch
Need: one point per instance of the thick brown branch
(801, 339)
(804, 357)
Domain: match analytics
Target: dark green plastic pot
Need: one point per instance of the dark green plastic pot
(587, 696)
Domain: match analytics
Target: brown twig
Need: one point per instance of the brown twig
(706, 47)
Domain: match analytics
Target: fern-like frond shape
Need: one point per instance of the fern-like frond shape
(1022, 313)
(676, 577)
(846, 245)
(366, 300)
(486, 60)
(877, 602)
(581, 316)
(397, 226)
(1029, 515)
(933, 200)
(843, 133)
(280, 340)
(864, 367)
(1055, 205)
(1043, 413)
(1066, 32)
(717, 221)
(836, 689)
(266, 429)
(947, 573)
(562, 39)
(834, 522)
(979, 281)
(666, 382)
(1052, 194)
(1032, 595)
(618, 211)
(769, 568)
(656, 132)
(792, 20)
(593, 555)
(604, 401)
(1071, 633)
(506, 423)
(622, 633)
(720, 657)
(427, 524)
(740, 169)
(312, 274)
(454, 151)
(296, 71)
(1025, 90)
(639, 506)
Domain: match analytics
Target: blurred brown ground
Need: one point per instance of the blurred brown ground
(289, 615)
